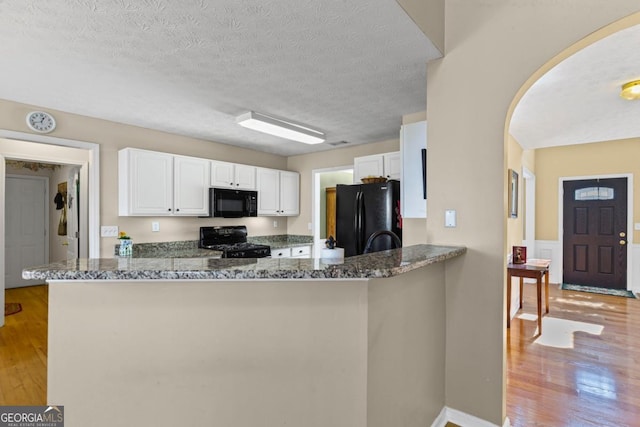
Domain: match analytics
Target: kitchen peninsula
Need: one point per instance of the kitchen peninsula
(246, 342)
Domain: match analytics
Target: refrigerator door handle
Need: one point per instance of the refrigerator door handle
(356, 218)
(360, 228)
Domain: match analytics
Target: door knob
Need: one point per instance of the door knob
(623, 242)
(622, 234)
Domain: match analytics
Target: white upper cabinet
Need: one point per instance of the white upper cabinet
(157, 184)
(413, 140)
(388, 165)
(367, 166)
(392, 165)
(190, 189)
(278, 192)
(145, 183)
(232, 175)
(289, 193)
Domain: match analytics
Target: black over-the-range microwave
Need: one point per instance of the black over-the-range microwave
(230, 203)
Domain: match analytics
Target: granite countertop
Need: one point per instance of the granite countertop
(379, 264)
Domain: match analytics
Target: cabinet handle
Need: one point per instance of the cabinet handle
(177, 210)
(238, 184)
(169, 209)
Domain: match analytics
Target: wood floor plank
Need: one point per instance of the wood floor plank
(583, 369)
(23, 348)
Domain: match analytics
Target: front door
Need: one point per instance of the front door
(595, 233)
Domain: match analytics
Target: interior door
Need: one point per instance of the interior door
(330, 212)
(595, 233)
(25, 229)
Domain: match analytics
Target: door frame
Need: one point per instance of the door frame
(315, 203)
(47, 221)
(630, 229)
(89, 172)
(529, 235)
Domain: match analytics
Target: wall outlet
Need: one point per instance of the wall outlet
(309, 226)
(636, 226)
(275, 224)
(109, 231)
(155, 226)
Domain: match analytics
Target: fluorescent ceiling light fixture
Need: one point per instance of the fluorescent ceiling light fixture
(631, 90)
(281, 128)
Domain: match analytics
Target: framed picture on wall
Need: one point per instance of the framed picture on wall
(513, 193)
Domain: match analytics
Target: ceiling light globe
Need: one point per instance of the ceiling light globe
(631, 90)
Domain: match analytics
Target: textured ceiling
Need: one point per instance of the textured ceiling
(348, 68)
(578, 101)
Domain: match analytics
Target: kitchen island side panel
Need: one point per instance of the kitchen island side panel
(406, 363)
(202, 353)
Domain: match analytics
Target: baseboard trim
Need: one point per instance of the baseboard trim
(463, 419)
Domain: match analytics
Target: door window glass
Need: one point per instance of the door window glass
(594, 193)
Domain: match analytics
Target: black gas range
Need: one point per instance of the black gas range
(232, 242)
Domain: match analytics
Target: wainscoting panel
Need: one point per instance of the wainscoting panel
(552, 249)
(463, 419)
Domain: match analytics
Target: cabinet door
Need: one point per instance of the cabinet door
(191, 186)
(301, 252)
(413, 139)
(367, 166)
(221, 174)
(145, 183)
(289, 193)
(392, 165)
(281, 253)
(245, 177)
(268, 181)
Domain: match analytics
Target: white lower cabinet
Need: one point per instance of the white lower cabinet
(281, 253)
(292, 252)
(301, 252)
(278, 192)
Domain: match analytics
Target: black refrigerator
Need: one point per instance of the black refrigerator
(363, 209)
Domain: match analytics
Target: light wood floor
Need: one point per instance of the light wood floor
(23, 348)
(583, 371)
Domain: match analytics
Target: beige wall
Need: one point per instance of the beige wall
(492, 48)
(113, 137)
(602, 158)
(429, 16)
(306, 163)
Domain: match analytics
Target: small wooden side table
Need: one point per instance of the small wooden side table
(533, 269)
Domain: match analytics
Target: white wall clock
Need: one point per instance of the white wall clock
(40, 121)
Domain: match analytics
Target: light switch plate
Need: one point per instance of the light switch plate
(109, 231)
(450, 218)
